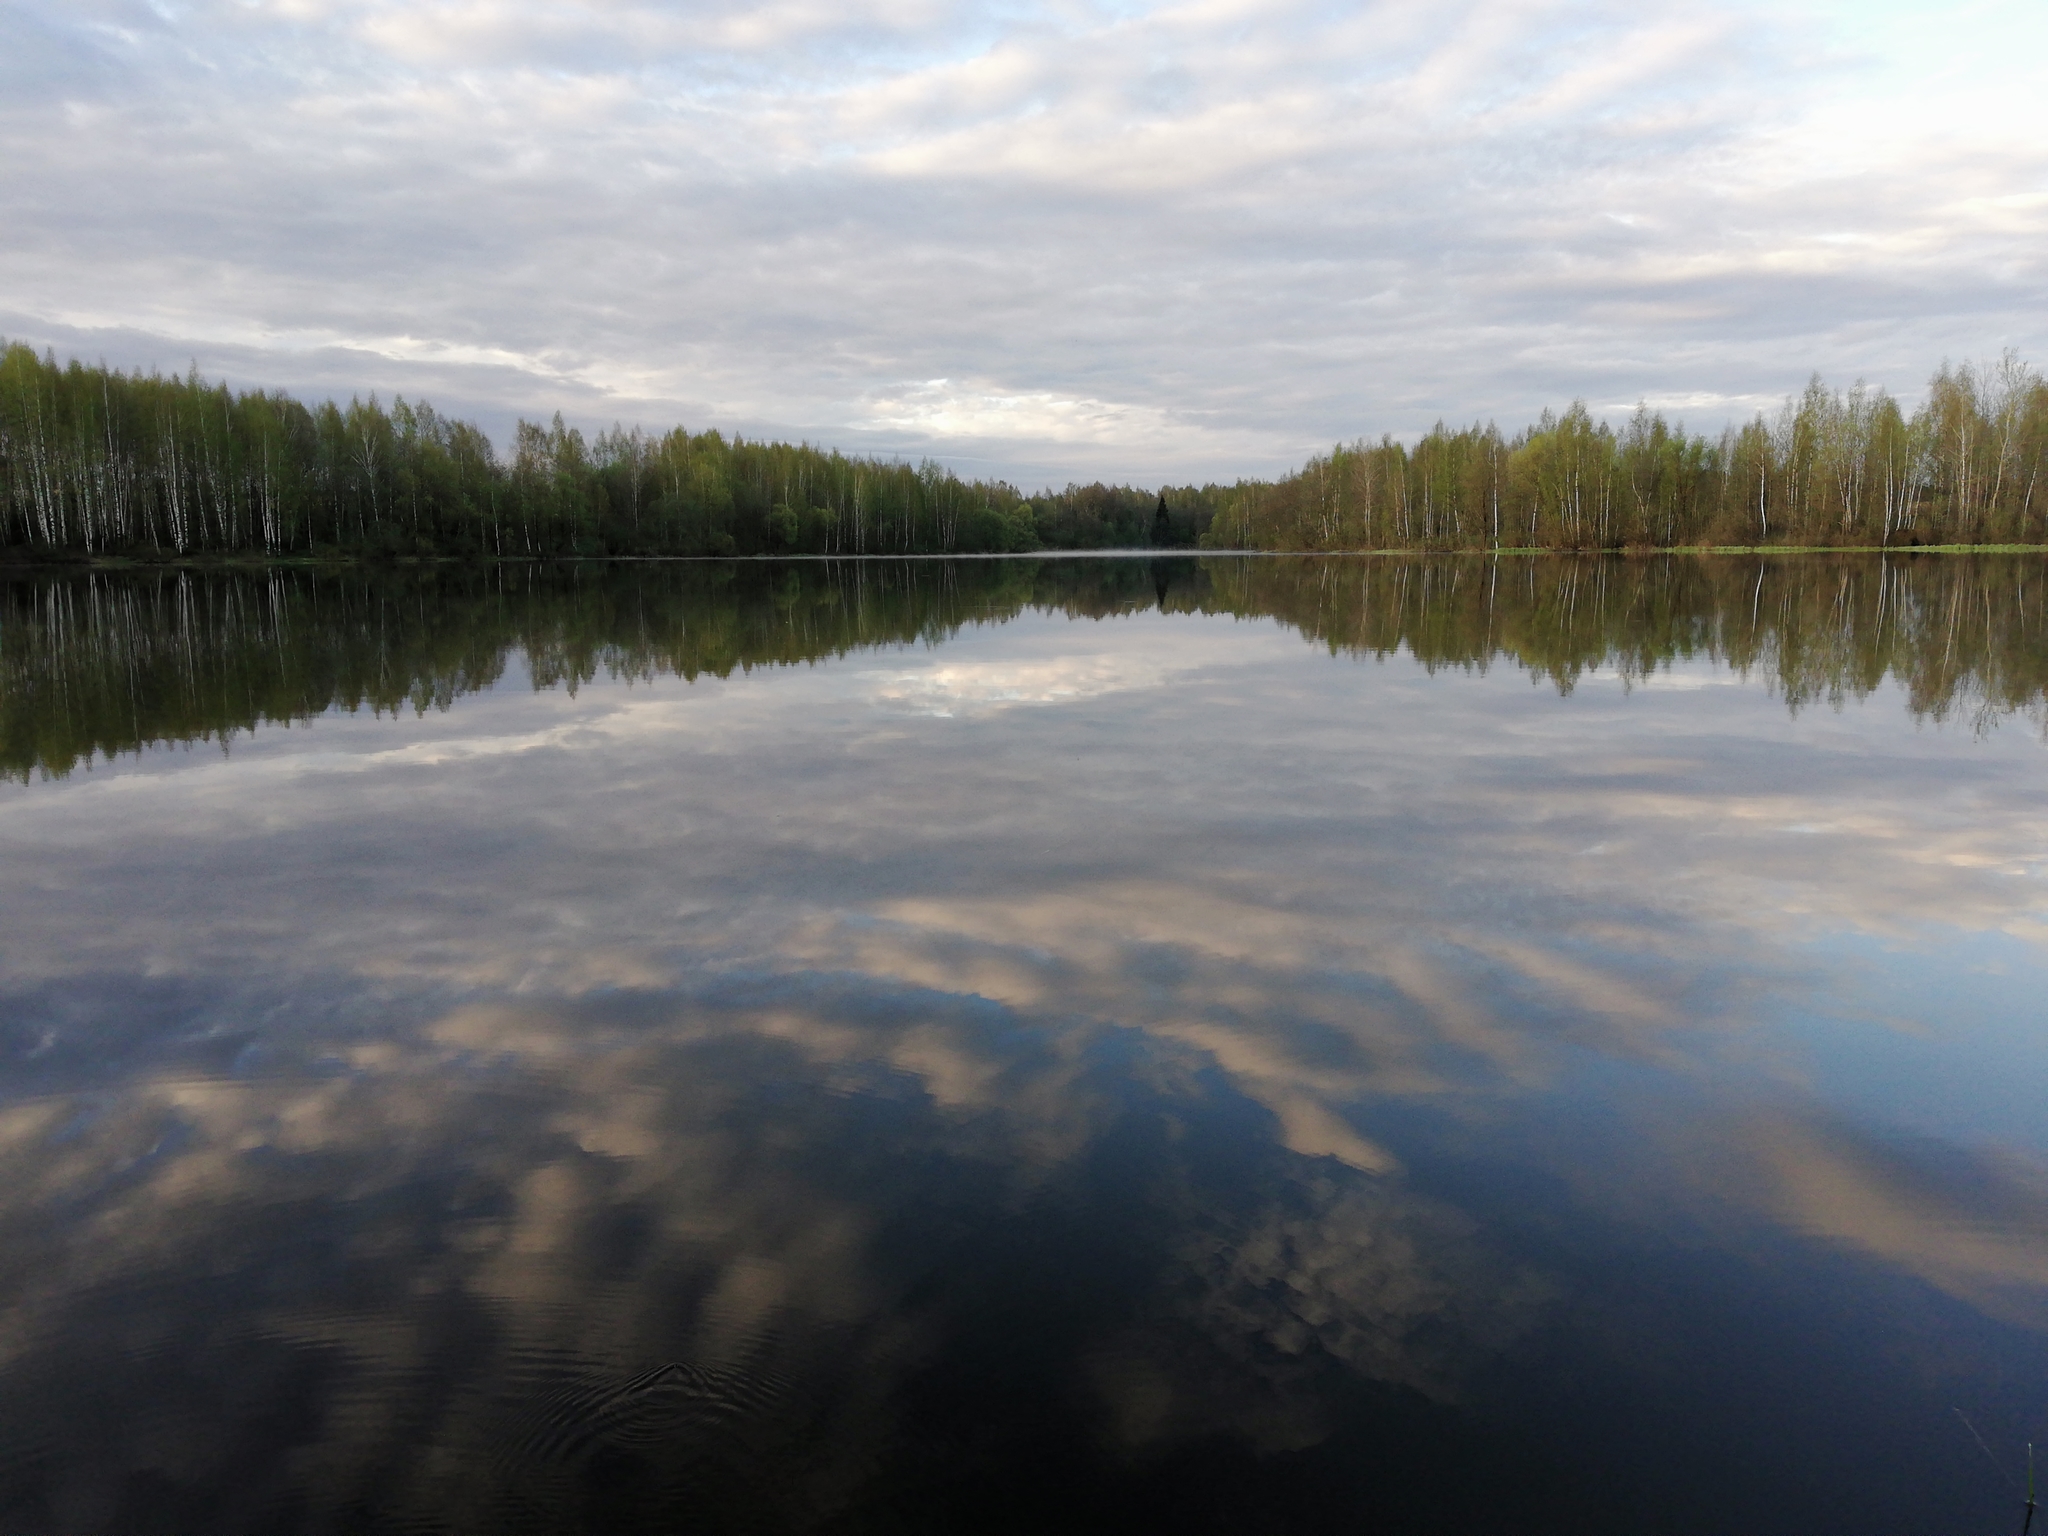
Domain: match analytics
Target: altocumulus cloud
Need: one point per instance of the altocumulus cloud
(1037, 239)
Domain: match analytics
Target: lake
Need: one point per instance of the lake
(1183, 1044)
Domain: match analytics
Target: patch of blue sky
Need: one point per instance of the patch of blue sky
(1940, 1037)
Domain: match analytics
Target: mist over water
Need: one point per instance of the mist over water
(1278, 1044)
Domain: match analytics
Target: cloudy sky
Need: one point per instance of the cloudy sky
(1036, 238)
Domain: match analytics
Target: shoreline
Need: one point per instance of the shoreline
(12, 562)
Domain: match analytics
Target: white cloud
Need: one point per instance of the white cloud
(975, 688)
(1141, 240)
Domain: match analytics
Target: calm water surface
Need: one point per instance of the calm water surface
(1025, 1046)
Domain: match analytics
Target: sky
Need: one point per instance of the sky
(1044, 240)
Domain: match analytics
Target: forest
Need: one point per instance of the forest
(1831, 468)
(96, 462)
(99, 463)
(98, 663)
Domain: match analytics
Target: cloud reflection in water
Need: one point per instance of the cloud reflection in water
(1177, 1035)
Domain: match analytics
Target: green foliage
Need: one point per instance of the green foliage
(1832, 468)
(94, 462)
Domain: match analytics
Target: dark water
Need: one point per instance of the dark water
(1019, 1046)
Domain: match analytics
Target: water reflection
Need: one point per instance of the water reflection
(96, 663)
(485, 1272)
(1051, 1073)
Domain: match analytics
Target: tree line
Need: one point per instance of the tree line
(1830, 468)
(96, 663)
(96, 462)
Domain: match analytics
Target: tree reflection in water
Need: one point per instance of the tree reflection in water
(1040, 1075)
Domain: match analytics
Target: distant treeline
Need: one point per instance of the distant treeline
(1831, 468)
(94, 664)
(98, 462)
